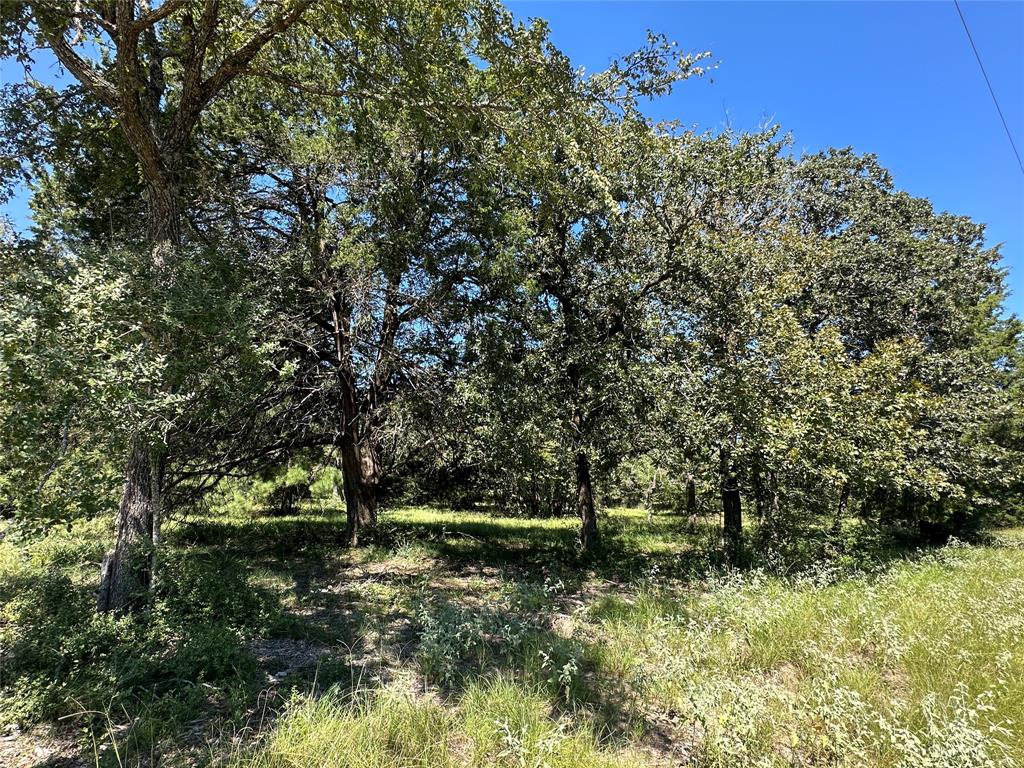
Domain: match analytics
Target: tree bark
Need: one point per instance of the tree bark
(732, 511)
(360, 491)
(164, 226)
(128, 571)
(585, 504)
(844, 500)
(691, 501)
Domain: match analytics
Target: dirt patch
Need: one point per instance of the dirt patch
(41, 747)
(281, 657)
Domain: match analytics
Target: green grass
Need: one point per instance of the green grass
(920, 665)
(500, 722)
(466, 639)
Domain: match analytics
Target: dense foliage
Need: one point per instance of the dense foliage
(410, 242)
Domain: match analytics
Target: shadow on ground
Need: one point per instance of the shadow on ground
(251, 609)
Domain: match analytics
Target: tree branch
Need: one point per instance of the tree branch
(152, 17)
(84, 72)
(235, 63)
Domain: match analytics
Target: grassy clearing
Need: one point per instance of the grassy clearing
(919, 665)
(468, 640)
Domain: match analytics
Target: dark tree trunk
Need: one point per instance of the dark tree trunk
(358, 462)
(360, 492)
(129, 570)
(732, 510)
(585, 504)
(164, 227)
(844, 500)
(691, 501)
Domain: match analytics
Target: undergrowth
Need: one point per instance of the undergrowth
(468, 640)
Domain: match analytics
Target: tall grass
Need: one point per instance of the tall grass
(495, 723)
(920, 665)
(464, 640)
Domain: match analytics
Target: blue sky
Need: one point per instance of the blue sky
(895, 79)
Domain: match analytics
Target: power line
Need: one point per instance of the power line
(988, 82)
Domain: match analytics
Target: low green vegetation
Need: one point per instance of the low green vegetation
(467, 639)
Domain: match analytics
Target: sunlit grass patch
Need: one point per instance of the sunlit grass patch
(1013, 536)
(919, 663)
(495, 723)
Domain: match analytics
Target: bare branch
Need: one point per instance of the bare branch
(152, 17)
(82, 70)
(236, 62)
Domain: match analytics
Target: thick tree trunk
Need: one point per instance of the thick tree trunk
(360, 492)
(361, 509)
(732, 511)
(164, 226)
(691, 501)
(585, 504)
(128, 571)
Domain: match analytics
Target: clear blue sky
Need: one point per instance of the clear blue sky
(895, 79)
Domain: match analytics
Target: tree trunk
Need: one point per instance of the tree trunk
(358, 463)
(844, 499)
(585, 504)
(691, 501)
(360, 491)
(164, 225)
(128, 571)
(732, 511)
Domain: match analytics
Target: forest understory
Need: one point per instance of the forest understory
(470, 639)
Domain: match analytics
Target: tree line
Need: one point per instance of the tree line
(410, 241)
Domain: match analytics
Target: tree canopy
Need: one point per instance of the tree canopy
(409, 243)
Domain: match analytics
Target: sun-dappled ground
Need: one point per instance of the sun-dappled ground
(466, 639)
